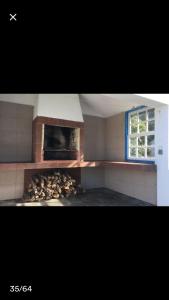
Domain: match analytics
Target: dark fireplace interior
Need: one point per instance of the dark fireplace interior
(60, 143)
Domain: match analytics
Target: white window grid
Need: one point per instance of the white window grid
(138, 135)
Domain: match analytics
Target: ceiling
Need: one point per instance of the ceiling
(102, 105)
(106, 105)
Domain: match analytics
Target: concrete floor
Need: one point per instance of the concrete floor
(93, 197)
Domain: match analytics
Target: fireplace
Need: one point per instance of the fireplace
(60, 143)
(57, 140)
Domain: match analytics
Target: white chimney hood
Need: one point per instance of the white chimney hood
(59, 106)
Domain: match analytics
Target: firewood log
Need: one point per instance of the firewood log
(54, 186)
(59, 190)
(56, 196)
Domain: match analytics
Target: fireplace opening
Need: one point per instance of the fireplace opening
(60, 143)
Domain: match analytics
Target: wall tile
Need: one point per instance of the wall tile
(7, 153)
(15, 132)
(7, 192)
(7, 178)
(19, 191)
(7, 124)
(7, 109)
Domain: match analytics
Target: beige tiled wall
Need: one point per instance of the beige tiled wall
(94, 138)
(15, 146)
(94, 149)
(15, 132)
(11, 184)
(114, 137)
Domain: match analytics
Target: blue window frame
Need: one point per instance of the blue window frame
(140, 135)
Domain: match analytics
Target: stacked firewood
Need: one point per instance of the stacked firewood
(52, 186)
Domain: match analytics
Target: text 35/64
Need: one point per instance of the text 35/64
(22, 288)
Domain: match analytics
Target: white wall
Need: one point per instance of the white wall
(162, 161)
(157, 98)
(61, 106)
(27, 99)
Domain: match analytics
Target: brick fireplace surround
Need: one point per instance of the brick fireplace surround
(37, 133)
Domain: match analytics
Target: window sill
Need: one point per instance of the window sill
(141, 161)
(142, 166)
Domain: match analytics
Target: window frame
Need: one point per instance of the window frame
(127, 135)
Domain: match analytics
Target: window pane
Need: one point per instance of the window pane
(141, 152)
(142, 126)
(150, 152)
(150, 140)
(134, 128)
(134, 118)
(151, 125)
(141, 141)
(142, 116)
(133, 152)
(133, 141)
(151, 113)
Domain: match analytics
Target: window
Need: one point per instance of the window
(140, 134)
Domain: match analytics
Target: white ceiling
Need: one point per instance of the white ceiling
(106, 105)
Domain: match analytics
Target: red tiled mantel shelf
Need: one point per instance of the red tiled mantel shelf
(77, 164)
